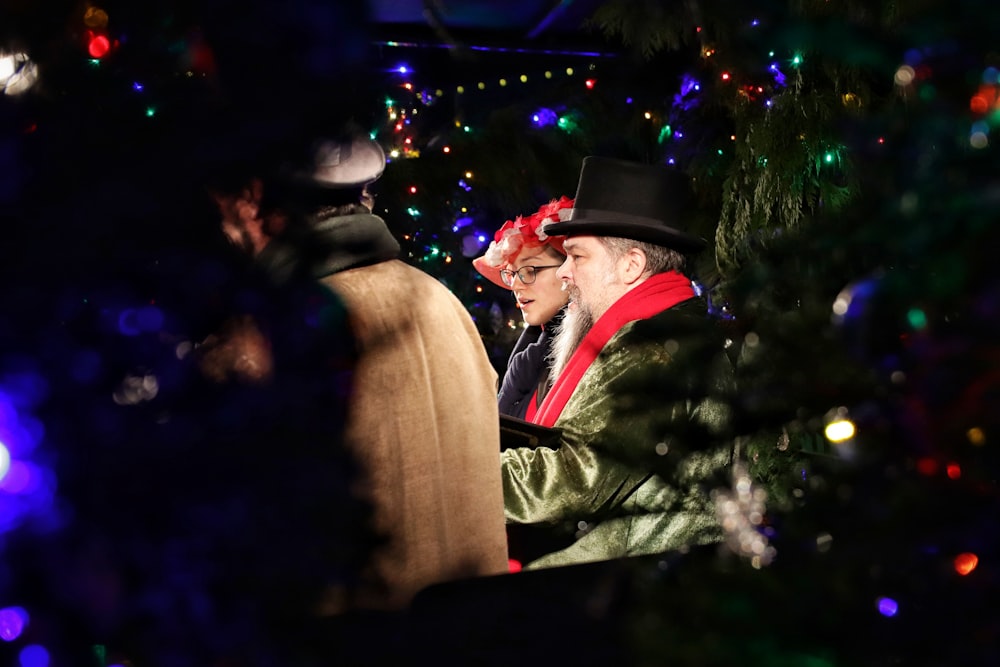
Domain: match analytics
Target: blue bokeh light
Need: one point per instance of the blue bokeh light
(34, 655)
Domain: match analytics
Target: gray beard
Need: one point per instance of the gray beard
(567, 336)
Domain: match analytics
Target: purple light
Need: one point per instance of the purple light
(887, 607)
(12, 623)
(779, 78)
(628, 100)
(689, 85)
(544, 117)
(403, 69)
(495, 49)
(137, 87)
(482, 238)
(20, 478)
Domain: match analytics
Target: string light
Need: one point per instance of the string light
(965, 563)
(839, 431)
(917, 318)
(13, 620)
(887, 607)
(18, 73)
(98, 46)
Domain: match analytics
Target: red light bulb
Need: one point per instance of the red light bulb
(98, 46)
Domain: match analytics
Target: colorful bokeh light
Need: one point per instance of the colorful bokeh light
(13, 620)
(887, 607)
(965, 563)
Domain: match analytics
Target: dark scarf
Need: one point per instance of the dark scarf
(656, 294)
(527, 373)
(330, 245)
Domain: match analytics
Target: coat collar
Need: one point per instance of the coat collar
(330, 245)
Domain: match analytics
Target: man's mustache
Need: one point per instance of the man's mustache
(574, 291)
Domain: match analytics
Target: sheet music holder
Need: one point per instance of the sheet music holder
(516, 432)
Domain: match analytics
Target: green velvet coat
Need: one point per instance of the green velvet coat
(645, 438)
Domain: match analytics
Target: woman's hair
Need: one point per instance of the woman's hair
(659, 259)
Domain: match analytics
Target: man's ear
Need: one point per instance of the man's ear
(633, 266)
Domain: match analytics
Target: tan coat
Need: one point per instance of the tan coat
(423, 425)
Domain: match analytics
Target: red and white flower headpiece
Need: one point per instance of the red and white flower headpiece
(523, 232)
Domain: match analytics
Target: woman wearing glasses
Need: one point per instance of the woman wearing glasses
(523, 259)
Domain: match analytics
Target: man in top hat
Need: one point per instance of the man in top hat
(422, 410)
(641, 376)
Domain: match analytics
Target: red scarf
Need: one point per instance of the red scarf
(656, 294)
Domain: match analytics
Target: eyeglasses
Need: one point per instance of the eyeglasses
(525, 273)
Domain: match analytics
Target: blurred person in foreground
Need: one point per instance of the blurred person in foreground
(641, 377)
(426, 443)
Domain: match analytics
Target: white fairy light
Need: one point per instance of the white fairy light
(741, 510)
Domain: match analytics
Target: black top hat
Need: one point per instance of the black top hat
(649, 203)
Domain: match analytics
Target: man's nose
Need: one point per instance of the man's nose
(563, 272)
